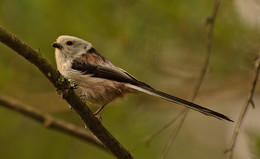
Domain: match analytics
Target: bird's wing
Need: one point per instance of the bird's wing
(97, 66)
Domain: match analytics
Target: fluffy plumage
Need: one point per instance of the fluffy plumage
(99, 81)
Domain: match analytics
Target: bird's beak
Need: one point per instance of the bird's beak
(57, 45)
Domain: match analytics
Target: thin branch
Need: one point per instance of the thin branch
(211, 22)
(50, 121)
(148, 139)
(64, 87)
(245, 108)
(174, 135)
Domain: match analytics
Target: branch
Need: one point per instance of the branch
(67, 92)
(245, 108)
(211, 22)
(147, 140)
(174, 134)
(49, 121)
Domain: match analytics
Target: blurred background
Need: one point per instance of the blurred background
(162, 43)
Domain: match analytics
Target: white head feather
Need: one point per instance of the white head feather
(67, 49)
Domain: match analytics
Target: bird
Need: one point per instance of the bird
(99, 81)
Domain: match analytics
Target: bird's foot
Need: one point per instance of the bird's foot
(99, 117)
(72, 84)
(70, 107)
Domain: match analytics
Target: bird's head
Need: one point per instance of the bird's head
(71, 46)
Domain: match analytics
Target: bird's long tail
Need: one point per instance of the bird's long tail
(177, 100)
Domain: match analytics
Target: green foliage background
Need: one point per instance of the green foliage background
(159, 42)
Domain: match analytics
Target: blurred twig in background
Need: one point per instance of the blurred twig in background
(64, 87)
(245, 108)
(148, 139)
(211, 23)
(49, 121)
(181, 117)
(175, 133)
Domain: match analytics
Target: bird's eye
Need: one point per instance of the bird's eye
(69, 42)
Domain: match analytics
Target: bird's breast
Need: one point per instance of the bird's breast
(97, 90)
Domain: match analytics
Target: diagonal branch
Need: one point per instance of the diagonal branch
(174, 134)
(182, 116)
(147, 140)
(211, 22)
(245, 108)
(67, 92)
(49, 121)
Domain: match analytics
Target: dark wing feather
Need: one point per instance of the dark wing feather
(106, 72)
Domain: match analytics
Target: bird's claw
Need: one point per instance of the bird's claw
(70, 107)
(99, 117)
(72, 84)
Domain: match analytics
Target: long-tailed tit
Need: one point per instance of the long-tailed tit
(99, 81)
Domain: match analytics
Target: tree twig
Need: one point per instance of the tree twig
(50, 121)
(174, 135)
(67, 92)
(245, 108)
(148, 139)
(211, 22)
